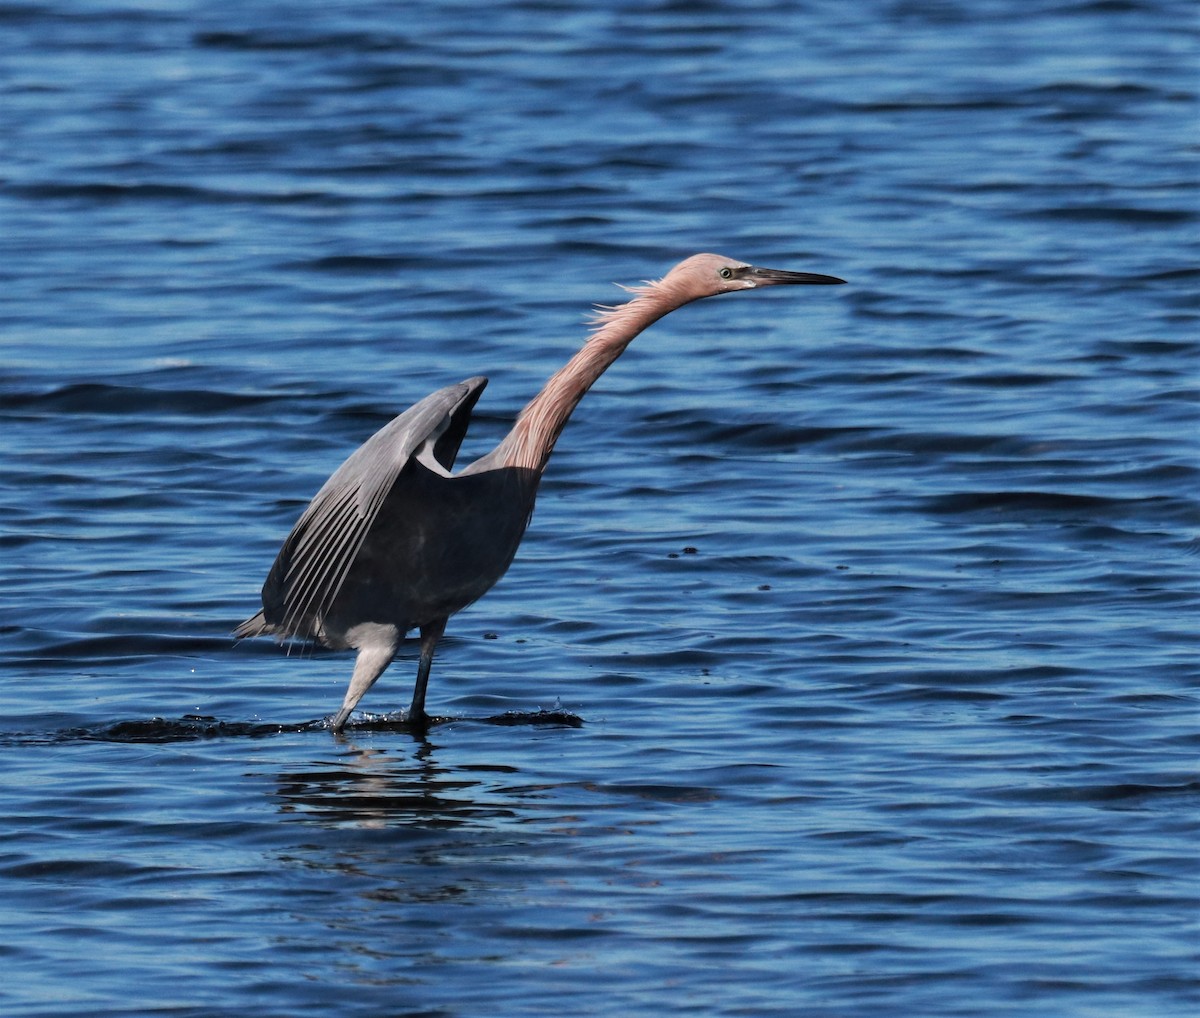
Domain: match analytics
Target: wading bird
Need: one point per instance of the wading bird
(394, 541)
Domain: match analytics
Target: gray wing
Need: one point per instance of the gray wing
(315, 558)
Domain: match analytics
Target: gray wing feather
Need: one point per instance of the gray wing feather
(317, 555)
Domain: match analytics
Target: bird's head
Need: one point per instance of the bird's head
(704, 275)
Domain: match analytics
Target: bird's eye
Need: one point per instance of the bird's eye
(725, 273)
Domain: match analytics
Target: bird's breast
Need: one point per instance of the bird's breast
(437, 544)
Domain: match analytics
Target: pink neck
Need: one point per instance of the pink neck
(532, 438)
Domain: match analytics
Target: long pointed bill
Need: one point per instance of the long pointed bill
(774, 277)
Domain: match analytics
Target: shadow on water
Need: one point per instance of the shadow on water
(193, 727)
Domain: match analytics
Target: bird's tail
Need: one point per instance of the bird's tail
(256, 625)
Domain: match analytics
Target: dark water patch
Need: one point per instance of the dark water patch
(103, 193)
(944, 693)
(931, 104)
(298, 39)
(1059, 505)
(1080, 102)
(115, 648)
(766, 436)
(1154, 700)
(1074, 8)
(763, 434)
(933, 443)
(188, 728)
(117, 400)
(196, 727)
(1123, 792)
(655, 792)
(1122, 215)
(359, 264)
(550, 718)
(1151, 348)
(1013, 380)
(111, 870)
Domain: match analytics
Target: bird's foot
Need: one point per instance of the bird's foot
(418, 721)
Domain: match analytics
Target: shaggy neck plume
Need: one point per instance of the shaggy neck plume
(538, 426)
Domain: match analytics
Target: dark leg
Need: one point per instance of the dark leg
(430, 634)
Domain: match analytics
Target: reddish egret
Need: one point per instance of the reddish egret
(394, 541)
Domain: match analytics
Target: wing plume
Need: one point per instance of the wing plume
(316, 557)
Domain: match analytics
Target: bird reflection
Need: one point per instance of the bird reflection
(377, 788)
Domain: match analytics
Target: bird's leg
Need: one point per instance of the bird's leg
(373, 658)
(430, 634)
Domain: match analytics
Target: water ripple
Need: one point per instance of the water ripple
(873, 610)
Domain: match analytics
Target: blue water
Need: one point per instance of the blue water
(850, 660)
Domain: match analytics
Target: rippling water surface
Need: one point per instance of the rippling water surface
(849, 664)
